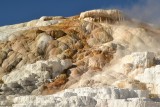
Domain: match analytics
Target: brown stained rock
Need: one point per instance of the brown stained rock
(3, 56)
(26, 59)
(80, 62)
(1, 69)
(11, 62)
(56, 33)
(52, 44)
(19, 46)
(6, 47)
(15, 36)
(97, 61)
(78, 45)
(54, 52)
(67, 42)
(32, 47)
(56, 85)
(2, 73)
(80, 56)
(132, 84)
(68, 39)
(99, 36)
(60, 80)
(63, 46)
(32, 34)
(69, 24)
(12, 56)
(69, 53)
(55, 47)
(32, 57)
(11, 53)
(21, 63)
(127, 68)
(77, 71)
(11, 65)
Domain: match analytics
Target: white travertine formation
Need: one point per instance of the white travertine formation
(151, 77)
(87, 97)
(42, 42)
(47, 23)
(101, 15)
(11, 30)
(46, 18)
(43, 70)
(7, 31)
(139, 59)
(49, 20)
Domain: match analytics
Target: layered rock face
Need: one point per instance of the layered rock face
(86, 97)
(99, 58)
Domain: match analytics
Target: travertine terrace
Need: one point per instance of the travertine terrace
(99, 58)
(110, 16)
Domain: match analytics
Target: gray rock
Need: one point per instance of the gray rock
(2, 97)
(5, 88)
(17, 90)
(13, 85)
(9, 92)
(75, 101)
(69, 94)
(24, 83)
(30, 88)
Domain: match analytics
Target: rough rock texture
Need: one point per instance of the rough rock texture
(98, 48)
(138, 60)
(28, 78)
(150, 76)
(86, 97)
(43, 69)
